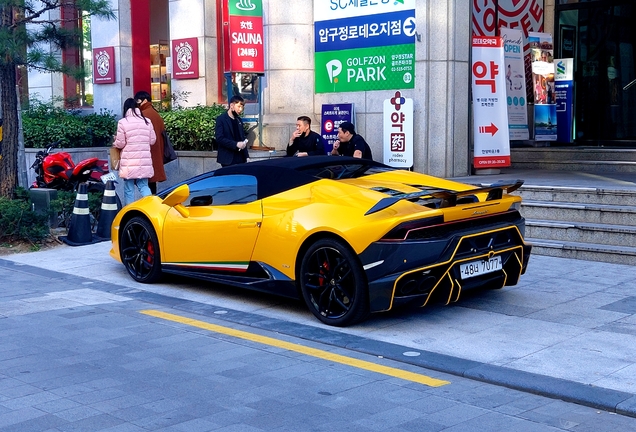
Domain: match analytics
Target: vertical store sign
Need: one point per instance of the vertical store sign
(490, 114)
(185, 58)
(545, 119)
(564, 84)
(332, 116)
(524, 15)
(245, 35)
(364, 45)
(515, 84)
(104, 65)
(398, 131)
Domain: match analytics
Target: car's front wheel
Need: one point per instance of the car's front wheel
(333, 283)
(139, 250)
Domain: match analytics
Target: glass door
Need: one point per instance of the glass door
(604, 37)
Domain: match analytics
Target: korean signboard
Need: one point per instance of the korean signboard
(564, 89)
(332, 116)
(185, 58)
(364, 45)
(490, 114)
(245, 37)
(104, 65)
(524, 15)
(545, 119)
(398, 131)
(515, 84)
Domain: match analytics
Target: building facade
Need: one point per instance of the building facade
(596, 33)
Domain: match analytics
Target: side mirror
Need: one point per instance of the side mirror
(176, 198)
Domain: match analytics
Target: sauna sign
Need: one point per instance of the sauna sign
(246, 36)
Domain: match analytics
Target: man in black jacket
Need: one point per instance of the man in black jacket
(304, 141)
(349, 143)
(230, 135)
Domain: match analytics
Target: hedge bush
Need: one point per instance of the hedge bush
(18, 221)
(193, 128)
(44, 123)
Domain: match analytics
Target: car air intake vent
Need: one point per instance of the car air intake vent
(487, 242)
(466, 225)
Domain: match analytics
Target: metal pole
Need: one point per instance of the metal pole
(22, 168)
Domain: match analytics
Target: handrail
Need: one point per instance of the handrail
(629, 85)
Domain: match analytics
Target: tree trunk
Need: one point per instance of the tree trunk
(9, 149)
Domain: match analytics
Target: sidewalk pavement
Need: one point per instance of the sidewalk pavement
(567, 330)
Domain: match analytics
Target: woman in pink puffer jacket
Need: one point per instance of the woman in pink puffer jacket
(135, 135)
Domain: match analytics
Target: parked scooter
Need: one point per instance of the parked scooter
(58, 171)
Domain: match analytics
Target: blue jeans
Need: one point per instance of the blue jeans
(129, 189)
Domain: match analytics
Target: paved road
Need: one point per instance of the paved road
(81, 354)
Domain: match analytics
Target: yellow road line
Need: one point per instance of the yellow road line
(349, 361)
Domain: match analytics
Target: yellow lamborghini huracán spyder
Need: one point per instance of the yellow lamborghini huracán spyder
(349, 236)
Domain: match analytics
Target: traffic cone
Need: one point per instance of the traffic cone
(79, 232)
(108, 212)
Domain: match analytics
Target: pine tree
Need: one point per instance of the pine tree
(30, 38)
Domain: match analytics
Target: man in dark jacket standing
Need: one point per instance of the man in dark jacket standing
(349, 143)
(304, 141)
(230, 135)
(144, 103)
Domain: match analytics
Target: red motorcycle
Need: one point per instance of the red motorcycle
(58, 171)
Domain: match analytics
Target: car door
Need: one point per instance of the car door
(222, 227)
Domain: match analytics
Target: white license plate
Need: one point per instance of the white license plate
(476, 268)
(109, 176)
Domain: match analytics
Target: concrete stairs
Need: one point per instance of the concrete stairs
(582, 223)
(591, 159)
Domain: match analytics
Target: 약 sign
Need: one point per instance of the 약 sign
(490, 114)
(398, 131)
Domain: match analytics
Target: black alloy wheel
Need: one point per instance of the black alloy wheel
(139, 250)
(333, 283)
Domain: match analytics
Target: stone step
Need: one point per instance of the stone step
(584, 251)
(578, 195)
(618, 166)
(574, 212)
(560, 154)
(581, 232)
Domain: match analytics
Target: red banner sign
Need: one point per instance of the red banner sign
(185, 58)
(104, 65)
(246, 44)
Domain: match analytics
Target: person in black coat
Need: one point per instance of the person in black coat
(230, 135)
(351, 144)
(304, 141)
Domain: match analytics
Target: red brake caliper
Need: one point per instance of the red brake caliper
(151, 251)
(323, 270)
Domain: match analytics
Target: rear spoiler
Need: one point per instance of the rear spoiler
(495, 191)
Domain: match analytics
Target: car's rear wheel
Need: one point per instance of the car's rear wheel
(333, 283)
(139, 250)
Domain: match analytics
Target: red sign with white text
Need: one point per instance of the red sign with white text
(185, 58)
(104, 65)
(246, 44)
(490, 109)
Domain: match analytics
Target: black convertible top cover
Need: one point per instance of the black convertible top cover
(277, 175)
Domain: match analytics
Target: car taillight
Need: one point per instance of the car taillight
(401, 231)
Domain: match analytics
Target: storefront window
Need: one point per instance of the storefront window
(601, 37)
(78, 92)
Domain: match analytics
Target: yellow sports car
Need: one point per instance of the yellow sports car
(349, 236)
